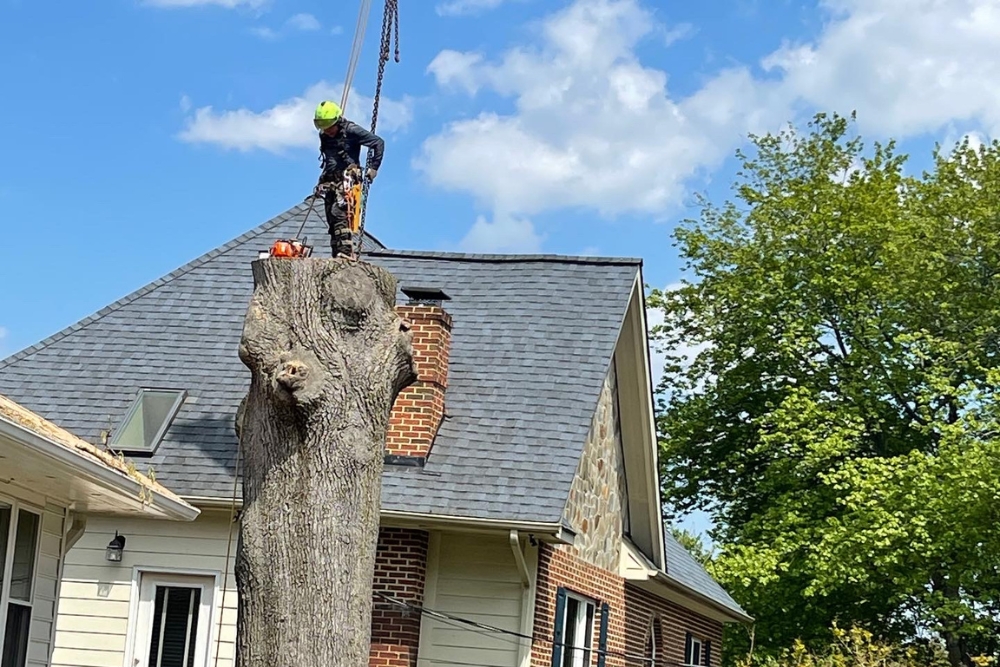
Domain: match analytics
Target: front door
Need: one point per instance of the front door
(174, 620)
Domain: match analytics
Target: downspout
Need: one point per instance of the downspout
(522, 567)
(75, 532)
(527, 600)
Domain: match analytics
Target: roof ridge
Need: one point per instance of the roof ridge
(154, 285)
(499, 258)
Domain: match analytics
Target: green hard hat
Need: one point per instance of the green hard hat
(327, 113)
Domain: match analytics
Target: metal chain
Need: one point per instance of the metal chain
(390, 30)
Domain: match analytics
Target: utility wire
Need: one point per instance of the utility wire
(483, 627)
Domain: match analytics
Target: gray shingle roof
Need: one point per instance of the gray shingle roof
(533, 337)
(683, 568)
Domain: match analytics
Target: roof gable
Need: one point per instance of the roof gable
(533, 338)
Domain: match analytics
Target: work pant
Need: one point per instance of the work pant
(335, 204)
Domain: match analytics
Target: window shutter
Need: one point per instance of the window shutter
(557, 635)
(687, 648)
(708, 653)
(602, 644)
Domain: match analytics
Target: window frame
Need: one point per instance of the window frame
(211, 583)
(16, 507)
(136, 405)
(591, 610)
(704, 650)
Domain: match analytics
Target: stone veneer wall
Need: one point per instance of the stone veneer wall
(596, 506)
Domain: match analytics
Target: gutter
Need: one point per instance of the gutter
(95, 472)
(556, 531)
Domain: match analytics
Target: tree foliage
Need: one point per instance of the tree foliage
(841, 421)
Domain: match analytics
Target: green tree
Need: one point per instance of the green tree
(840, 423)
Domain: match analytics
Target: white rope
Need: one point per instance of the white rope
(359, 40)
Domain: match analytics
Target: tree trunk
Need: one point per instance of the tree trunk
(328, 355)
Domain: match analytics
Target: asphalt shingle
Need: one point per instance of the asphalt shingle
(533, 337)
(682, 567)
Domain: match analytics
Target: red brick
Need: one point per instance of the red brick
(400, 571)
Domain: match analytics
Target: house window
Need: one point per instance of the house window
(573, 641)
(173, 624)
(147, 420)
(696, 651)
(19, 533)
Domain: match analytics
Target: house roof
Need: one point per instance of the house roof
(685, 570)
(107, 477)
(533, 338)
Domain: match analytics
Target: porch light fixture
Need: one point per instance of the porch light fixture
(115, 548)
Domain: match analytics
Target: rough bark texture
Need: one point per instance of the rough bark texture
(328, 356)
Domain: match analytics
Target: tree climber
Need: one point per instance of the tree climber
(340, 143)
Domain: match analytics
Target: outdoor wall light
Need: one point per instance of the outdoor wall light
(115, 548)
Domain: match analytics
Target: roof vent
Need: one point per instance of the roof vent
(431, 296)
(147, 420)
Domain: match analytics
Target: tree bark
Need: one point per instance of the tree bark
(328, 355)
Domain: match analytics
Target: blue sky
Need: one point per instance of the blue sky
(138, 134)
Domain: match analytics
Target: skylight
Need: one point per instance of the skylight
(147, 420)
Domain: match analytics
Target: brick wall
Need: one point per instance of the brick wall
(418, 410)
(643, 608)
(631, 611)
(558, 566)
(400, 568)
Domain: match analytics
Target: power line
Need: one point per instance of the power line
(490, 629)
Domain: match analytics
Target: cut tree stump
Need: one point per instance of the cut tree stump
(328, 355)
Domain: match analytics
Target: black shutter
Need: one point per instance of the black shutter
(557, 635)
(708, 653)
(687, 648)
(602, 642)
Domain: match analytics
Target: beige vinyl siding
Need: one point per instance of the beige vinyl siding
(473, 577)
(96, 597)
(46, 585)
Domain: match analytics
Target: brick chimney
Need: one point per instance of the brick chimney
(419, 409)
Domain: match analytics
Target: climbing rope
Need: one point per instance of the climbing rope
(359, 40)
(390, 33)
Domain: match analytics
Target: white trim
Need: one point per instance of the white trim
(588, 629)
(528, 595)
(653, 474)
(431, 569)
(96, 472)
(701, 652)
(16, 507)
(135, 587)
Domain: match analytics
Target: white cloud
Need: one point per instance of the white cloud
(504, 234)
(297, 23)
(228, 4)
(465, 7)
(907, 66)
(593, 127)
(305, 22)
(3, 346)
(185, 104)
(288, 125)
(337, 30)
(265, 33)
